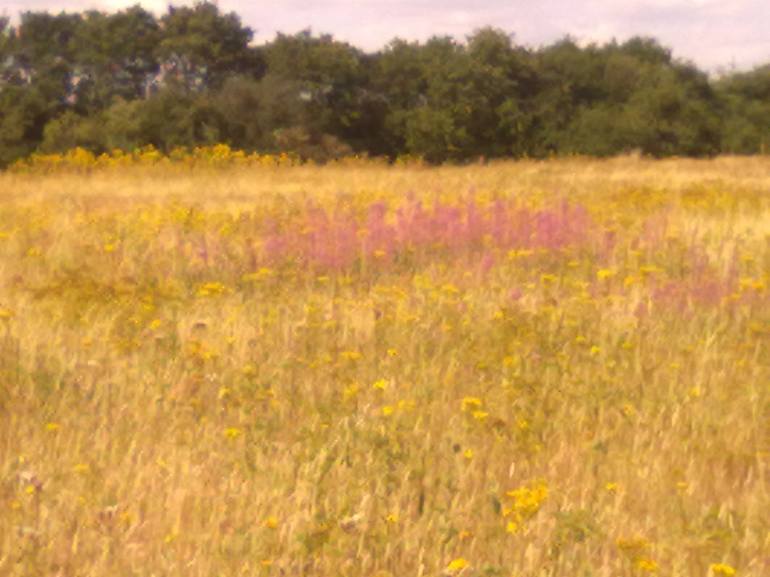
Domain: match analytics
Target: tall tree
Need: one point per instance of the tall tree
(115, 56)
(746, 119)
(43, 39)
(329, 77)
(202, 47)
(398, 82)
(502, 82)
(438, 128)
(24, 112)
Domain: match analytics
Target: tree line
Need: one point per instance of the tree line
(194, 77)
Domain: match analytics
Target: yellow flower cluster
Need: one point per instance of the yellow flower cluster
(523, 503)
(722, 569)
(219, 155)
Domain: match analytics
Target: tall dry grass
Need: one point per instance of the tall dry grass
(362, 370)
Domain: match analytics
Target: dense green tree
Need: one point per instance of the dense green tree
(115, 56)
(746, 120)
(647, 50)
(569, 78)
(192, 76)
(44, 39)
(242, 102)
(617, 98)
(438, 128)
(679, 115)
(171, 119)
(502, 83)
(202, 47)
(398, 83)
(24, 112)
(71, 130)
(329, 80)
(37, 67)
(257, 111)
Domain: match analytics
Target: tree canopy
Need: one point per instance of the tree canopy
(193, 76)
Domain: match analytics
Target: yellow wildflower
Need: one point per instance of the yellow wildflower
(722, 569)
(262, 273)
(211, 289)
(526, 502)
(605, 273)
(351, 391)
(628, 409)
(647, 565)
(406, 405)
(480, 416)
(471, 404)
(380, 384)
(456, 566)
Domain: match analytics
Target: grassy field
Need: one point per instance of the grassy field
(520, 370)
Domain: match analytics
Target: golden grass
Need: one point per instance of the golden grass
(173, 402)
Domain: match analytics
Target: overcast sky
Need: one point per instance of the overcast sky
(714, 34)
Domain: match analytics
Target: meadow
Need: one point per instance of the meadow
(222, 366)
